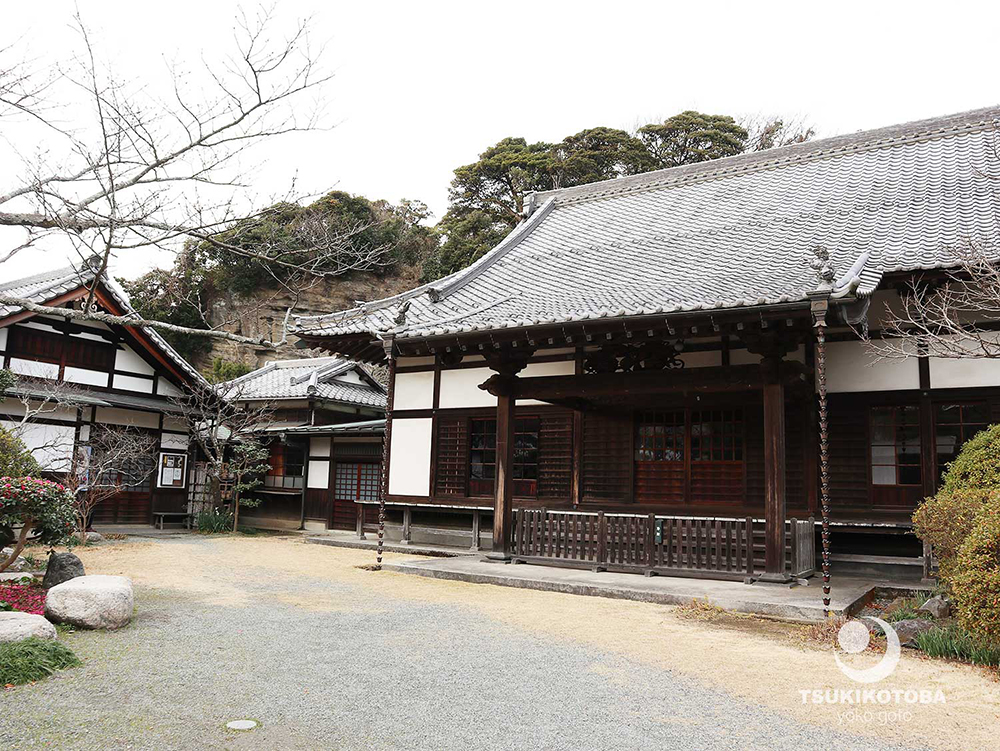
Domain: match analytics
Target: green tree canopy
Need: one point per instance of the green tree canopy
(487, 196)
(375, 237)
(692, 137)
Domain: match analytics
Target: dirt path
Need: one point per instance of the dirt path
(755, 662)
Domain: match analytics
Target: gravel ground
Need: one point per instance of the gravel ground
(322, 662)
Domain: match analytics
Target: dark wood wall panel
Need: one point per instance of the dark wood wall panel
(317, 504)
(555, 455)
(848, 452)
(452, 468)
(607, 456)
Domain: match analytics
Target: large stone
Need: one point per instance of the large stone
(908, 630)
(95, 537)
(936, 607)
(15, 626)
(62, 567)
(95, 601)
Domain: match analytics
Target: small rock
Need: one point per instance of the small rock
(937, 607)
(19, 563)
(62, 567)
(909, 630)
(96, 601)
(15, 626)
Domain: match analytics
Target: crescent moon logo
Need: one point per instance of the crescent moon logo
(853, 638)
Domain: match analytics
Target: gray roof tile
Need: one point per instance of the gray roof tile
(319, 377)
(729, 233)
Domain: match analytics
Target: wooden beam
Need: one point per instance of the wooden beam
(504, 498)
(641, 383)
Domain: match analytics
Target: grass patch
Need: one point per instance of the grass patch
(952, 642)
(33, 659)
(905, 609)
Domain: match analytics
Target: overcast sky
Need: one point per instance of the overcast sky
(423, 87)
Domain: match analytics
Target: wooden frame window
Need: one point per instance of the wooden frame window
(954, 424)
(70, 351)
(483, 456)
(690, 455)
(895, 445)
(286, 467)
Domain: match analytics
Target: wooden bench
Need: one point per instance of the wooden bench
(159, 517)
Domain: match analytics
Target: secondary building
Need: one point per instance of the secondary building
(76, 374)
(324, 422)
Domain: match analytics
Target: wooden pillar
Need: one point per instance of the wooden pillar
(407, 521)
(503, 508)
(774, 469)
(361, 521)
(475, 530)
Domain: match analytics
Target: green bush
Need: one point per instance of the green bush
(955, 643)
(975, 580)
(33, 659)
(216, 520)
(15, 459)
(971, 484)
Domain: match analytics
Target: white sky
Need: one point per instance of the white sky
(423, 87)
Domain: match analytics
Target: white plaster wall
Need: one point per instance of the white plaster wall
(318, 477)
(3, 339)
(174, 441)
(116, 416)
(85, 376)
(414, 391)
(410, 456)
(541, 369)
(11, 406)
(174, 423)
(131, 383)
(319, 446)
(51, 445)
(165, 387)
(460, 388)
(127, 359)
(33, 368)
(852, 366)
(350, 376)
(947, 373)
(709, 359)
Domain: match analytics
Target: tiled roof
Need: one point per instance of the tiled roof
(46, 286)
(318, 377)
(729, 233)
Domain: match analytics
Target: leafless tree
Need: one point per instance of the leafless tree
(149, 171)
(951, 314)
(770, 131)
(32, 401)
(112, 459)
(218, 420)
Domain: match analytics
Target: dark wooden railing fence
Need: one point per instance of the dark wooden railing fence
(665, 545)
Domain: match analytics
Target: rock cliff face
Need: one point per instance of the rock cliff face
(263, 314)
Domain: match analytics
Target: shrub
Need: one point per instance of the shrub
(216, 520)
(975, 580)
(955, 643)
(39, 506)
(15, 459)
(33, 659)
(971, 484)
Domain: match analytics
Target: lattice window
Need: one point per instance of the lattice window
(717, 435)
(286, 467)
(356, 481)
(483, 457)
(660, 437)
(895, 445)
(954, 424)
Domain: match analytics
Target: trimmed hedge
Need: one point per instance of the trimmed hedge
(975, 580)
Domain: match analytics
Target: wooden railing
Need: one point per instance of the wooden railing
(666, 545)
